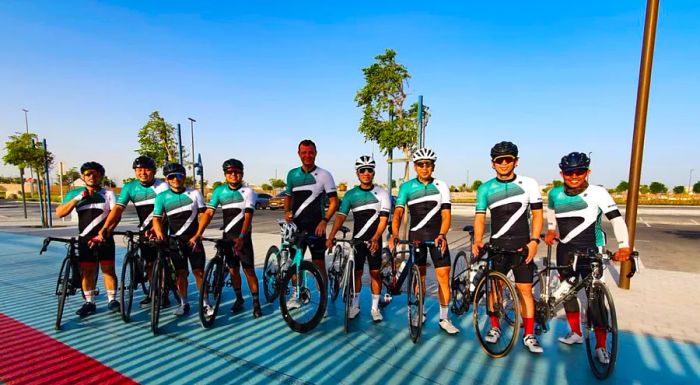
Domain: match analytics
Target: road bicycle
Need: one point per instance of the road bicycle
(302, 292)
(347, 281)
(215, 279)
(336, 267)
(600, 312)
(134, 271)
(164, 276)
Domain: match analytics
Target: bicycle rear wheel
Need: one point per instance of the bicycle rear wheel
(157, 282)
(348, 293)
(307, 297)
(210, 293)
(459, 284)
(601, 323)
(270, 273)
(414, 299)
(496, 305)
(127, 284)
(63, 285)
(335, 271)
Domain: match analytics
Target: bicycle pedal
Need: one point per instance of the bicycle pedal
(228, 283)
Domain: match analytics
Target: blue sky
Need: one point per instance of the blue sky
(551, 76)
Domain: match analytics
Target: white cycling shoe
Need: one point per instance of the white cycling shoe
(493, 335)
(571, 338)
(530, 342)
(448, 327)
(603, 356)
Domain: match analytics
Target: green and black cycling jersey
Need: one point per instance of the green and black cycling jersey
(579, 217)
(308, 190)
(425, 204)
(181, 209)
(92, 210)
(144, 197)
(367, 206)
(234, 203)
(510, 202)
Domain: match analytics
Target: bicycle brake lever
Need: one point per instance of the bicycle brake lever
(45, 246)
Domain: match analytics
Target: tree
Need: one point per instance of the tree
(216, 184)
(557, 183)
(696, 188)
(277, 183)
(476, 184)
(657, 188)
(69, 177)
(24, 150)
(266, 187)
(679, 189)
(157, 140)
(453, 188)
(622, 186)
(644, 189)
(108, 182)
(343, 186)
(384, 119)
(463, 187)
(127, 181)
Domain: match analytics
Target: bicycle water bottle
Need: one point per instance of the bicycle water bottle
(400, 269)
(563, 287)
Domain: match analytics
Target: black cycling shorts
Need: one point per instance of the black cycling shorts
(565, 256)
(362, 253)
(316, 246)
(196, 256)
(503, 263)
(439, 259)
(103, 253)
(245, 257)
(148, 252)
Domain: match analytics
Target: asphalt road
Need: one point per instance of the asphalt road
(668, 237)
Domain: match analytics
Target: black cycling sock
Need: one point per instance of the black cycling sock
(239, 295)
(255, 296)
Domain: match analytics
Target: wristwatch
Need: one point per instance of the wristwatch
(537, 240)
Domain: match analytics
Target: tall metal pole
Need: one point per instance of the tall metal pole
(31, 171)
(179, 142)
(41, 195)
(24, 197)
(60, 183)
(201, 174)
(47, 184)
(194, 180)
(690, 181)
(640, 121)
(421, 134)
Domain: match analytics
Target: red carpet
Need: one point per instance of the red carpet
(28, 356)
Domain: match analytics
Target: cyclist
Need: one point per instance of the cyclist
(576, 209)
(428, 201)
(238, 204)
(370, 206)
(509, 197)
(93, 204)
(182, 206)
(303, 204)
(142, 192)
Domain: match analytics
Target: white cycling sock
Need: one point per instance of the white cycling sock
(88, 296)
(375, 301)
(356, 301)
(443, 312)
(111, 294)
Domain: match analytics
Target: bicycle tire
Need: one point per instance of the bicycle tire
(141, 272)
(157, 279)
(459, 284)
(270, 274)
(506, 308)
(63, 286)
(600, 370)
(348, 294)
(126, 287)
(211, 291)
(309, 293)
(414, 300)
(336, 271)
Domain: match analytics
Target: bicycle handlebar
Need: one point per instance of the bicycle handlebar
(48, 240)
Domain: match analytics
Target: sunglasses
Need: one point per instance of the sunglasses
(423, 164)
(365, 170)
(577, 172)
(506, 159)
(233, 171)
(175, 175)
(91, 173)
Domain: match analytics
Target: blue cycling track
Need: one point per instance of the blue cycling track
(242, 350)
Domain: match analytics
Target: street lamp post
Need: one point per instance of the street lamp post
(690, 181)
(194, 179)
(31, 171)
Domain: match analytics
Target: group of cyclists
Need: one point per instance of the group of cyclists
(167, 209)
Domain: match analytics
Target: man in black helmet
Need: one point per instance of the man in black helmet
(183, 206)
(238, 205)
(576, 209)
(142, 192)
(93, 204)
(511, 198)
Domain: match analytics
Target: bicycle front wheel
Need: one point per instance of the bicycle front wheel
(303, 297)
(414, 298)
(157, 282)
(601, 331)
(127, 283)
(348, 293)
(459, 284)
(210, 293)
(335, 271)
(271, 270)
(62, 287)
(496, 307)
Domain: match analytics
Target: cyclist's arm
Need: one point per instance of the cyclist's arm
(204, 221)
(247, 220)
(332, 206)
(537, 221)
(288, 214)
(396, 224)
(158, 228)
(115, 216)
(479, 226)
(65, 208)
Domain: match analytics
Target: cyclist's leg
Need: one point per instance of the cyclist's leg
(441, 261)
(317, 247)
(523, 282)
(421, 262)
(571, 307)
(375, 263)
(234, 268)
(106, 255)
(197, 258)
(247, 258)
(361, 254)
(500, 264)
(180, 264)
(88, 273)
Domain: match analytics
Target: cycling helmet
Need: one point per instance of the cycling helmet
(287, 231)
(365, 161)
(92, 166)
(174, 168)
(574, 161)
(504, 149)
(424, 154)
(232, 163)
(144, 162)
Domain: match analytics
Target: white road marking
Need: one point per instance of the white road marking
(695, 223)
(643, 221)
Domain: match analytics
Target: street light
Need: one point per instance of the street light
(26, 121)
(192, 133)
(31, 171)
(690, 181)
